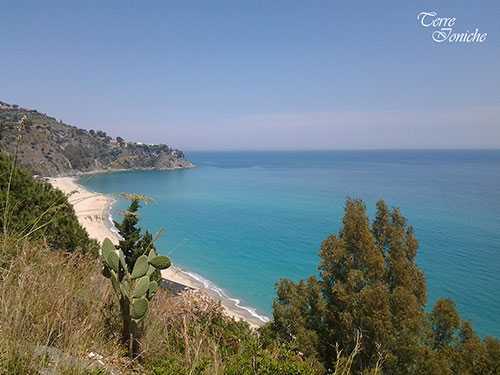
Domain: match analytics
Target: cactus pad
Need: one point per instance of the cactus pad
(152, 254)
(140, 267)
(139, 308)
(115, 282)
(107, 246)
(160, 262)
(110, 256)
(141, 287)
(153, 287)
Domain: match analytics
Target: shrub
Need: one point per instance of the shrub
(370, 283)
(253, 359)
(31, 208)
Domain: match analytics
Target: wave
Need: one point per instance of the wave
(207, 284)
(111, 222)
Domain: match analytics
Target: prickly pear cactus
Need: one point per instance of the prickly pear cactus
(134, 290)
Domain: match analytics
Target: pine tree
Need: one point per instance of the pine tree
(407, 292)
(132, 243)
(352, 271)
(381, 225)
(298, 310)
(369, 283)
(445, 323)
(130, 234)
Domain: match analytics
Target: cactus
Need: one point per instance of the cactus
(134, 289)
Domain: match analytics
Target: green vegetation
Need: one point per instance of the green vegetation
(60, 314)
(133, 244)
(52, 148)
(34, 209)
(134, 289)
(370, 300)
(364, 314)
(50, 300)
(134, 270)
(57, 310)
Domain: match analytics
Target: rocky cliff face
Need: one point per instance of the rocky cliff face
(51, 148)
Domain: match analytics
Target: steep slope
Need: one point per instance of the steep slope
(52, 148)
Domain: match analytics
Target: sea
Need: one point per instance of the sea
(242, 220)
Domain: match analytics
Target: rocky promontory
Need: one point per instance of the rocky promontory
(49, 147)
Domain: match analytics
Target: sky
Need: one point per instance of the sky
(257, 75)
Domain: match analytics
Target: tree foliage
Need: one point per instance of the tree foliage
(370, 284)
(133, 243)
(33, 209)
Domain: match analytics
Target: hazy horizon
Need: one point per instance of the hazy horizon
(339, 149)
(256, 76)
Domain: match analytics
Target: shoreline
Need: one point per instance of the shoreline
(77, 174)
(93, 211)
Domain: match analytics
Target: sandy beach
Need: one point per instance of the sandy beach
(91, 209)
(93, 212)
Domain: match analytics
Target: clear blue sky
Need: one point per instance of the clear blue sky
(257, 74)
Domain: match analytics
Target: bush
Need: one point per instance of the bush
(36, 210)
(253, 359)
(370, 283)
(192, 332)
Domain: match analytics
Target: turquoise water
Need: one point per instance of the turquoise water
(246, 219)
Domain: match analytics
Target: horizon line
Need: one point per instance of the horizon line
(346, 149)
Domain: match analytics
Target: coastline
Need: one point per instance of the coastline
(77, 174)
(93, 211)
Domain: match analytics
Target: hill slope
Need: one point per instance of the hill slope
(53, 148)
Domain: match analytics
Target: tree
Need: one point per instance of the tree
(381, 225)
(31, 208)
(370, 284)
(492, 347)
(130, 234)
(133, 244)
(445, 323)
(298, 311)
(352, 271)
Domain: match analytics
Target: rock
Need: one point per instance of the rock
(52, 148)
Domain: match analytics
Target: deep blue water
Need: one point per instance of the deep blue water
(246, 219)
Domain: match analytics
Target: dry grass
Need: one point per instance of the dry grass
(58, 301)
(57, 308)
(52, 299)
(193, 331)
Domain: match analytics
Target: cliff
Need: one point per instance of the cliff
(52, 148)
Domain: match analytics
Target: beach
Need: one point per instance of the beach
(93, 213)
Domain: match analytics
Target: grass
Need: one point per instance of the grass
(52, 300)
(56, 309)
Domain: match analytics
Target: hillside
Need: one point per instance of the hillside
(52, 148)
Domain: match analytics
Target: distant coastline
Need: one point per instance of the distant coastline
(52, 148)
(93, 211)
